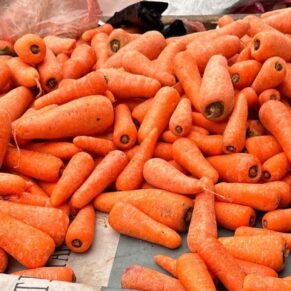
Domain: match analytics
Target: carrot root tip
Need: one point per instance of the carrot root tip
(266, 175)
(253, 171)
(35, 49)
(214, 110)
(257, 44)
(115, 45)
(278, 67)
(179, 129)
(231, 149)
(51, 83)
(77, 243)
(124, 139)
(235, 78)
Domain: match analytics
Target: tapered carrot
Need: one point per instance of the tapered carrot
(188, 155)
(278, 220)
(239, 167)
(269, 94)
(129, 220)
(285, 86)
(263, 147)
(31, 253)
(256, 25)
(6, 75)
(94, 145)
(3, 261)
(214, 127)
(224, 20)
(132, 175)
(12, 184)
(33, 164)
(49, 273)
(164, 104)
(5, 133)
(276, 118)
(76, 119)
(89, 34)
(139, 112)
(77, 171)
(81, 231)
(263, 197)
(193, 273)
(154, 203)
(59, 44)
(103, 175)
(91, 84)
(99, 44)
(142, 278)
(266, 250)
(163, 175)
(164, 151)
(232, 216)
(244, 73)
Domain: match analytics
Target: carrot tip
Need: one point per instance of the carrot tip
(235, 78)
(266, 175)
(115, 45)
(124, 139)
(35, 49)
(253, 171)
(77, 243)
(278, 67)
(179, 129)
(214, 110)
(231, 149)
(51, 83)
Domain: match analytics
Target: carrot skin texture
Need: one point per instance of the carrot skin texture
(278, 220)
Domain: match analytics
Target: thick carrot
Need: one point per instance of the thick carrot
(5, 133)
(30, 48)
(33, 164)
(119, 38)
(231, 216)
(130, 221)
(269, 94)
(244, 73)
(276, 118)
(263, 197)
(81, 231)
(285, 86)
(213, 127)
(77, 171)
(31, 253)
(278, 220)
(91, 84)
(76, 119)
(273, 12)
(187, 154)
(132, 175)
(139, 112)
(163, 175)
(142, 278)
(153, 202)
(193, 273)
(224, 20)
(12, 184)
(89, 34)
(6, 75)
(159, 114)
(256, 25)
(239, 167)
(266, 250)
(3, 261)
(167, 263)
(103, 175)
(94, 145)
(99, 44)
(263, 147)
(59, 44)
(254, 128)
(49, 273)
(164, 151)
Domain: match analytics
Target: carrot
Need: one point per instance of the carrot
(263, 147)
(119, 38)
(76, 119)
(239, 167)
(28, 198)
(231, 216)
(254, 128)
(187, 72)
(264, 197)
(269, 94)
(12, 184)
(30, 48)
(99, 44)
(3, 261)
(129, 220)
(89, 34)
(33, 164)
(164, 104)
(163, 175)
(131, 176)
(164, 151)
(154, 203)
(62, 58)
(243, 73)
(214, 127)
(139, 112)
(5, 133)
(167, 263)
(31, 253)
(6, 75)
(77, 171)
(49, 273)
(136, 63)
(256, 25)
(193, 274)
(94, 145)
(142, 278)
(103, 175)
(91, 84)
(60, 45)
(266, 250)
(254, 282)
(276, 118)
(273, 12)
(245, 54)
(187, 154)
(224, 20)
(285, 86)
(278, 220)
(47, 187)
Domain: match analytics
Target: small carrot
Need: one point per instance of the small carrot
(254, 128)
(103, 175)
(59, 44)
(231, 216)
(139, 112)
(129, 220)
(131, 176)
(12, 184)
(30, 48)
(266, 250)
(224, 20)
(263, 197)
(187, 154)
(77, 171)
(164, 151)
(49, 273)
(3, 261)
(239, 167)
(178, 208)
(167, 263)
(6, 75)
(269, 94)
(99, 44)
(5, 133)
(89, 34)
(278, 220)
(142, 278)
(163, 175)
(285, 86)
(31, 253)
(119, 38)
(276, 118)
(212, 126)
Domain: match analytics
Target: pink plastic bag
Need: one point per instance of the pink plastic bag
(43, 17)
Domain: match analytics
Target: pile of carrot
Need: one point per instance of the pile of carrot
(166, 135)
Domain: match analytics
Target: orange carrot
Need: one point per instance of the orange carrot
(273, 12)
(214, 127)
(6, 75)
(59, 44)
(47, 187)
(12, 184)
(62, 58)
(245, 54)
(167, 263)
(164, 151)
(254, 128)
(224, 20)
(33, 187)
(89, 34)
(278, 220)
(139, 112)
(130, 221)
(28, 198)
(3, 261)
(256, 25)
(269, 94)
(103, 175)
(285, 86)
(5, 133)
(99, 44)
(258, 269)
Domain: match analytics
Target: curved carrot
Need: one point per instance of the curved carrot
(89, 34)
(214, 127)
(3, 261)
(59, 44)
(254, 128)
(278, 220)
(100, 45)
(139, 112)
(167, 263)
(5, 133)
(12, 184)
(285, 86)
(164, 151)
(224, 20)
(269, 94)
(6, 75)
